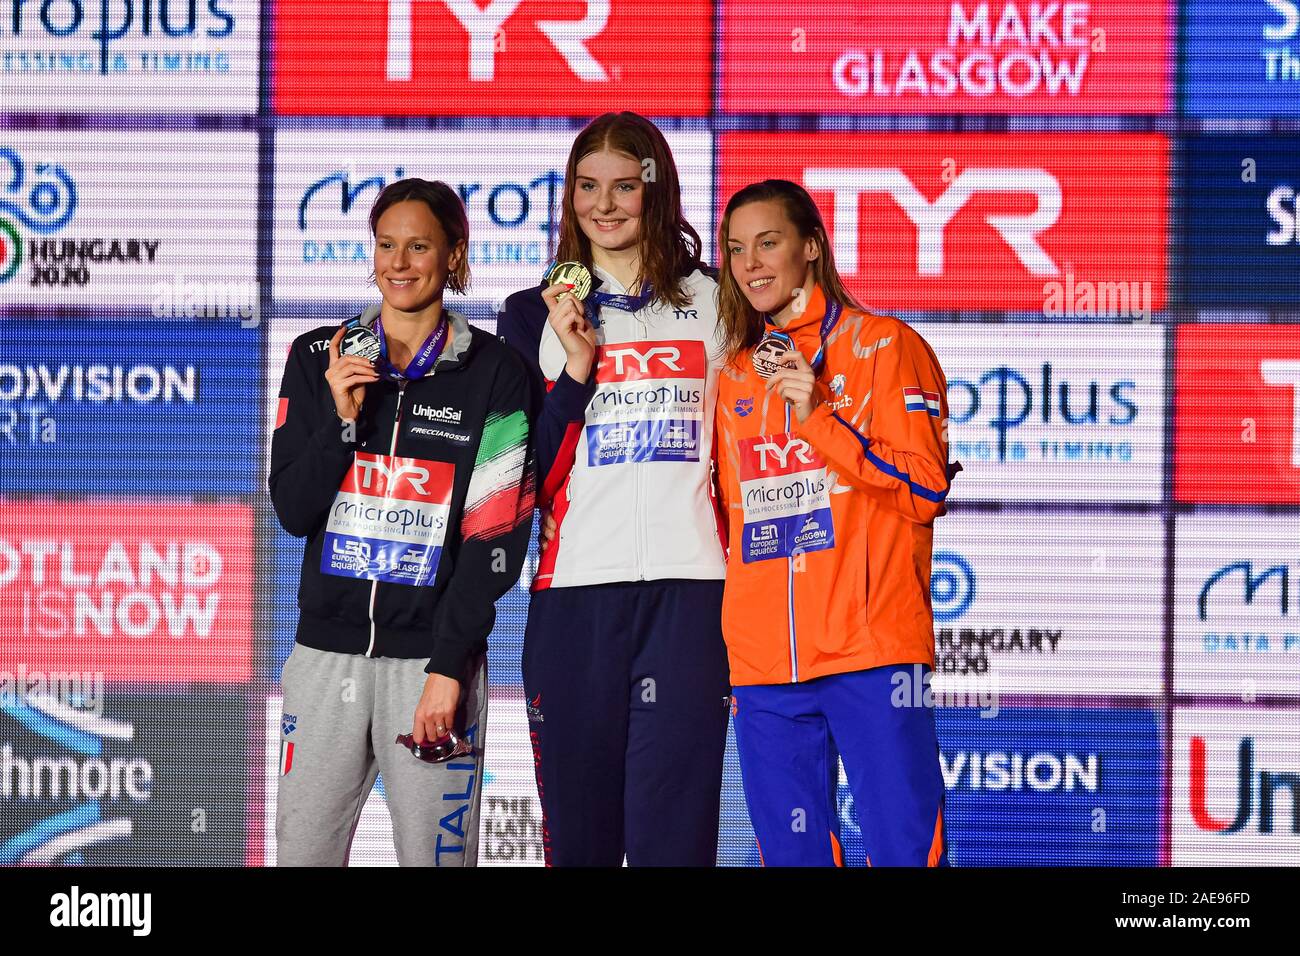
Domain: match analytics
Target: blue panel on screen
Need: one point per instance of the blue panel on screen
(1242, 239)
(1059, 787)
(1242, 58)
(100, 407)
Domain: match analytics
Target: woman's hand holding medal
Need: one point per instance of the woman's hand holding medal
(568, 317)
(348, 376)
(796, 383)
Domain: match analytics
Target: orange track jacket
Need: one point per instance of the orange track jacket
(830, 522)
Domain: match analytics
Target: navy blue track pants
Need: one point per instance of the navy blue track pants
(628, 696)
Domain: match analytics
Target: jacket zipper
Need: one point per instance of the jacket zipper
(789, 561)
(392, 450)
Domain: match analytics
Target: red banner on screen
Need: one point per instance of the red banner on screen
(1237, 414)
(1072, 225)
(510, 57)
(934, 56)
(136, 592)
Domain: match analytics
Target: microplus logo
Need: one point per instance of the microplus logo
(74, 908)
(108, 21)
(519, 216)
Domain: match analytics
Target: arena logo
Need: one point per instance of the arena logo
(1272, 631)
(1025, 50)
(1003, 399)
(45, 204)
(966, 651)
(157, 588)
(1257, 792)
(91, 793)
(484, 29)
(80, 691)
(531, 209)
(105, 23)
(1039, 771)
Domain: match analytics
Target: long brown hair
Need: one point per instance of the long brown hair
(668, 245)
(743, 325)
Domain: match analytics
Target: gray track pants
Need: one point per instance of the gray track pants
(342, 713)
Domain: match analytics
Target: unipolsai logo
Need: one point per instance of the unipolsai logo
(514, 218)
(1077, 420)
(82, 795)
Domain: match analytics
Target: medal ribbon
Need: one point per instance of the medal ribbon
(833, 310)
(421, 362)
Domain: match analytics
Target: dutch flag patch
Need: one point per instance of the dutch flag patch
(918, 400)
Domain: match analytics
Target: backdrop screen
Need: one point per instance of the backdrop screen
(1088, 209)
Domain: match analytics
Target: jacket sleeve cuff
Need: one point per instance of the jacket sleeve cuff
(448, 660)
(570, 398)
(329, 438)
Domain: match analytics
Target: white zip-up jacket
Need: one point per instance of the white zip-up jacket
(625, 462)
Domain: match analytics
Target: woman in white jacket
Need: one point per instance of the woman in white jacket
(624, 668)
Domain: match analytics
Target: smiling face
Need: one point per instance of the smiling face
(608, 193)
(767, 257)
(413, 256)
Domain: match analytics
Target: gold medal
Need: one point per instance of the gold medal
(574, 273)
(766, 353)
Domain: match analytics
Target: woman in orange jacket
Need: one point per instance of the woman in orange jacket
(832, 465)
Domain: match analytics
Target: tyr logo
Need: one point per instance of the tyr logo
(1019, 231)
(801, 449)
(371, 469)
(485, 28)
(668, 356)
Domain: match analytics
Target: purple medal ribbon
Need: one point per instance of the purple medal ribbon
(623, 302)
(421, 362)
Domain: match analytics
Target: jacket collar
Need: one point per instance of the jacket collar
(806, 326)
(456, 349)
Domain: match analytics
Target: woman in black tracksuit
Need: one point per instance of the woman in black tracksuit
(410, 476)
